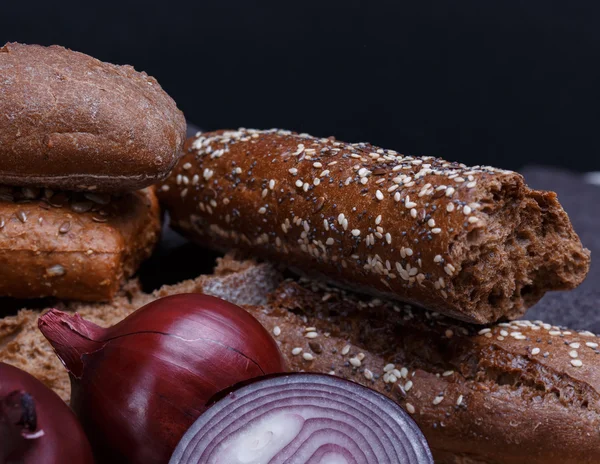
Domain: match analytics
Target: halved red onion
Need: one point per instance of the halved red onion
(303, 418)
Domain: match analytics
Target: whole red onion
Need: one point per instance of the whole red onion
(139, 385)
(36, 426)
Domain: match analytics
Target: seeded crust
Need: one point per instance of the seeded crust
(514, 393)
(72, 122)
(518, 405)
(73, 246)
(473, 243)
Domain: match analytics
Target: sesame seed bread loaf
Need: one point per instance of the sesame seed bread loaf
(473, 243)
(73, 246)
(512, 393)
(72, 122)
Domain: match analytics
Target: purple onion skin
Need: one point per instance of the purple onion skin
(371, 419)
(63, 440)
(139, 385)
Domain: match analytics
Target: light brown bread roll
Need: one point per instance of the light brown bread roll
(72, 122)
(72, 245)
(473, 243)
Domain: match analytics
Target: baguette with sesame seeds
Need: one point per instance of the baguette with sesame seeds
(75, 246)
(523, 392)
(473, 243)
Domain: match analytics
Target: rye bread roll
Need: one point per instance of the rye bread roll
(473, 243)
(73, 246)
(72, 122)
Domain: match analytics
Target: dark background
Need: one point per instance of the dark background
(496, 82)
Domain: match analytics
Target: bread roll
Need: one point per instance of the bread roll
(73, 246)
(72, 122)
(473, 243)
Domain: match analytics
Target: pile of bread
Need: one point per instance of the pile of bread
(410, 273)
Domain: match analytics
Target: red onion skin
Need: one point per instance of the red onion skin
(139, 385)
(63, 441)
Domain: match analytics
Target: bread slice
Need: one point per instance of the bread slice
(511, 393)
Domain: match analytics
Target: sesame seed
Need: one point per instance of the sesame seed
(311, 335)
(573, 354)
(450, 207)
(293, 171)
(413, 213)
(431, 223)
(310, 329)
(471, 184)
(397, 196)
(408, 385)
(574, 345)
(299, 183)
(473, 219)
(355, 362)
(467, 210)
(410, 408)
(306, 186)
(356, 232)
(360, 356)
(389, 367)
(591, 344)
(276, 331)
(272, 184)
(504, 333)
(459, 400)
(368, 374)
(330, 241)
(535, 351)
(447, 373)
(576, 362)
(316, 181)
(388, 238)
(554, 332)
(484, 331)
(316, 164)
(378, 220)
(450, 191)
(436, 230)
(437, 259)
(404, 372)
(346, 350)
(296, 351)
(379, 195)
(262, 210)
(437, 400)
(308, 357)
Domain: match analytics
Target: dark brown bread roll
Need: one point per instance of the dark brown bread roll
(72, 122)
(473, 243)
(516, 393)
(73, 246)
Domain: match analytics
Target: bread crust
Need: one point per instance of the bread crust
(522, 392)
(473, 243)
(73, 246)
(72, 122)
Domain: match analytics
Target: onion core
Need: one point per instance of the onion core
(303, 419)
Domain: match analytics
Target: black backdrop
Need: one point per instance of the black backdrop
(498, 82)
